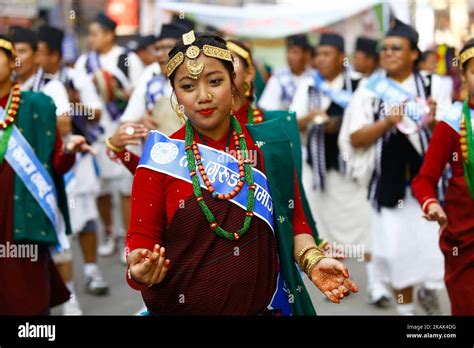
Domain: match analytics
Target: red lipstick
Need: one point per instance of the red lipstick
(207, 112)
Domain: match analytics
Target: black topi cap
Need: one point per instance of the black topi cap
(53, 37)
(21, 34)
(299, 40)
(398, 28)
(366, 45)
(106, 22)
(172, 31)
(334, 40)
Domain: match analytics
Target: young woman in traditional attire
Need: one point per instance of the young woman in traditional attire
(247, 113)
(453, 143)
(229, 251)
(33, 204)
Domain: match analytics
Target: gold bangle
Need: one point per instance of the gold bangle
(304, 250)
(112, 147)
(308, 257)
(322, 244)
(313, 264)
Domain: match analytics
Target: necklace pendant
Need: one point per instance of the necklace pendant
(236, 236)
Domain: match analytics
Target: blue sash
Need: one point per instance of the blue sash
(168, 156)
(392, 93)
(341, 98)
(29, 169)
(454, 116)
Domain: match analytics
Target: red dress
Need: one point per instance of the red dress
(26, 287)
(457, 240)
(208, 274)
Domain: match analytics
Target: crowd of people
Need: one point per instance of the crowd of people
(225, 172)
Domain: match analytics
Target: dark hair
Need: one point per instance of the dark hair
(469, 44)
(247, 49)
(201, 40)
(425, 54)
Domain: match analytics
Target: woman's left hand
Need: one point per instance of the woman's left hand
(332, 278)
(77, 143)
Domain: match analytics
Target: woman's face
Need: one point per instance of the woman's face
(207, 100)
(469, 76)
(243, 75)
(6, 66)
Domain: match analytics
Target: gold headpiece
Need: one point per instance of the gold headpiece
(240, 51)
(466, 55)
(8, 45)
(194, 67)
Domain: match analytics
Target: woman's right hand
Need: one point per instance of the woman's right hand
(121, 138)
(436, 213)
(148, 267)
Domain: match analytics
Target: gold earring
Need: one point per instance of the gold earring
(179, 113)
(247, 88)
(209, 97)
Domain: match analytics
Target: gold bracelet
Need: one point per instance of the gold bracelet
(313, 264)
(308, 257)
(311, 260)
(112, 147)
(322, 244)
(304, 250)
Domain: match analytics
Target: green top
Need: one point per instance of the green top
(36, 120)
(271, 136)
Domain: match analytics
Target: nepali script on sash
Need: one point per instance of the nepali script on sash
(35, 177)
(168, 156)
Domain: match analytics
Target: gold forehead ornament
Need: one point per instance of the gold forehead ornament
(194, 67)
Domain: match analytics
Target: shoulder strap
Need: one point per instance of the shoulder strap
(122, 63)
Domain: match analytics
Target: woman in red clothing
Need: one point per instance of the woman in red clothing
(247, 112)
(453, 143)
(213, 264)
(29, 285)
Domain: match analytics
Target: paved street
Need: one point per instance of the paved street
(124, 301)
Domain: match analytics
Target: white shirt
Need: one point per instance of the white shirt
(83, 83)
(301, 103)
(53, 89)
(136, 106)
(109, 61)
(272, 96)
(360, 113)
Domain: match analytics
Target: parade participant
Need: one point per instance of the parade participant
(109, 65)
(247, 113)
(282, 85)
(366, 57)
(149, 103)
(338, 204)
(82, 185)
(201, 73)
(26, 44)
(428, 61)
(31, 76)
(33, 203)
(394, 124)
(145, 49)
(453, 143)
(365, 61)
